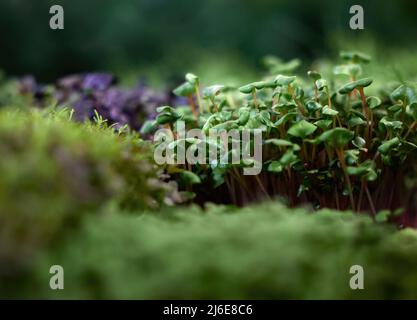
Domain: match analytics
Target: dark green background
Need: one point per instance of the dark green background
(109, 34)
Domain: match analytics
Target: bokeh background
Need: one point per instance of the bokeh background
(168, 37)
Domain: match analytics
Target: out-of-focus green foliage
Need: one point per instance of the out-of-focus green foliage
(54, 170)
(108, 33)
(264, 251)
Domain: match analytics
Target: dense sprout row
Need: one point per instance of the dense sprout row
(326, 141)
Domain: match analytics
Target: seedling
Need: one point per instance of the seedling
(318, 146)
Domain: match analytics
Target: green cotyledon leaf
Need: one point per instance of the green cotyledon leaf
(355, 56)
(189, 177)
(184, 90)
(338, 137)
(385, 147)
(302, 129)
(362, 83)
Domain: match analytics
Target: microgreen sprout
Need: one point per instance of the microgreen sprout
(325, 143)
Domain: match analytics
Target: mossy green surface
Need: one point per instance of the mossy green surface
(260, 252)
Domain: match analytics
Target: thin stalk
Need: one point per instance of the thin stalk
(193, 107)
(200, 102)
(313, 153)
(262, 186)
(410, 129)
(338, 120)
(231, 101)
(336, 194)
(316, 93)
(299, 105)
(371, 203)
(347, 178)
(255, 100)
(214, 105)
(366, 111)
(229, 188)
(329, 103)
(329, 100)
(358, 208)
(305, 154)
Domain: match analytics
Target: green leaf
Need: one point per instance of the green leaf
(164, 118)
(225, 115)
(365, 170)
(285, 118)
(314, 75)
(352, 70)
(288, 158)
(279, 142)
(148, 127)
(356, 171)
(166, 114)
(356, 121)
(218, 176)
(302, 129)
(388, 145)
(265, 118)
(396, 107)
(390, 123)
(373, 102)
(321, 84)
(191, 78)
(352, 156)
(283, 143)
(275, 166)
(299, 93)
(227, 125)
(323, 123)
(276, 65)
(398, 212)
(359, 142)
(329, 111)
(212, 91)
(382, 216)
(185, 90)
(264, 84)
(313, 106)
(289, 106)
(338, 137)
(355, 56)
(277, 91)
(209, 123)
(165, 109)
(371, 175)
(249, 88)
(405, 93)
(189, 177)
(362, 83)
(281, 80)
(244, 115)
(412, 110)
(254, 123)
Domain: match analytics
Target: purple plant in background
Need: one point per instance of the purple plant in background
(97, 81)
(99, 91)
